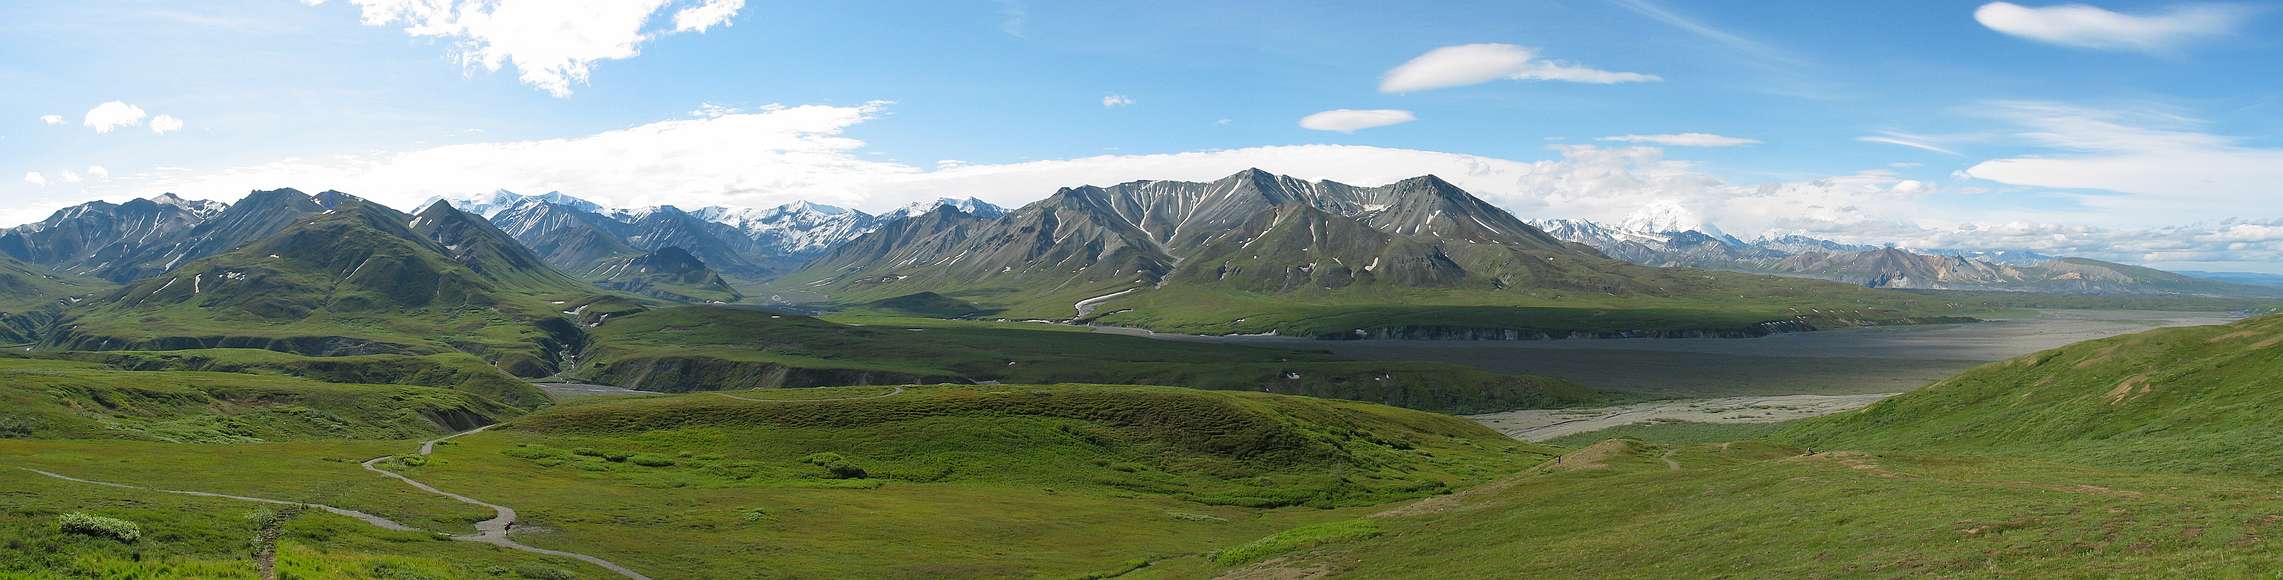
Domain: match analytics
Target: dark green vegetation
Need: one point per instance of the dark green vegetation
(51, 399)
(702, 348)
(2184, 400)
(1255, 253)
(1096, 476)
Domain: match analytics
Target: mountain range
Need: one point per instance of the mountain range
(1082, 252)
(1699, 245)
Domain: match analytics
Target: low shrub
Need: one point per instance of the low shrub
(839, 467)
(651, 460)
(1296, 539)
(99, 526)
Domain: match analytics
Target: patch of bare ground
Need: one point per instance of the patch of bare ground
(2271, 341)
(1595, 456)
(1856, 460)
(1285, 568)
(2135, 386)
(2097, 357)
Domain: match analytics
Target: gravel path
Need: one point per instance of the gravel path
(377, 521)
(492, 531)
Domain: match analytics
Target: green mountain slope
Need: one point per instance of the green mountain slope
(1254, 253)
(987, 480)
(356, 278)
(31, 297)
(53, 399)
(2195, 400)
(668, 273)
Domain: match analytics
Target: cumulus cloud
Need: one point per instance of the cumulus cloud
(1352, 120)
(2082, 26)
(1109, 101)
(69, 176)
(164, 124)
(553, 44)
(1684, 140)
(706, 15)
(732, 158)
(112, 115)
(1469, 64)
(98, 172)
(51, 120)
(34, 178)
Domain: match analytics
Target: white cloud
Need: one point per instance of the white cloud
(1352, 120)
(1115, 101)
(704, 16)
(69, 176)
(98, 172)
(1906, 140)
(51, 120)
(2083, 26)
(553, 44)
(773, 153)
(34, 178)
(164, 124)
(1468, 64)
(112, 115)
(1223, 122)
(2161, 160)
(1684, 140)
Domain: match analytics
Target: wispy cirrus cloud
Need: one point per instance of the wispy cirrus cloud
(2165, 161)
(1472, 64)
(2093, 27)
(1919, 142)
(1683, 140)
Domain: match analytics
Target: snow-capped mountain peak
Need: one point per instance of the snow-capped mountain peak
(197, 207)
(1666, 216)
(970, 206)
(490, 204)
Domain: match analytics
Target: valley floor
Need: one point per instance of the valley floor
(1538, 425)
(1833, 362)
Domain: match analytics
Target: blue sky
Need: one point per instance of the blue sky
(2139, 131)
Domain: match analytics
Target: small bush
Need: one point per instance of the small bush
(412, 460)
(99, 526)
(652, 460)
(838, 466)
(535, 453)
(1190, 517)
